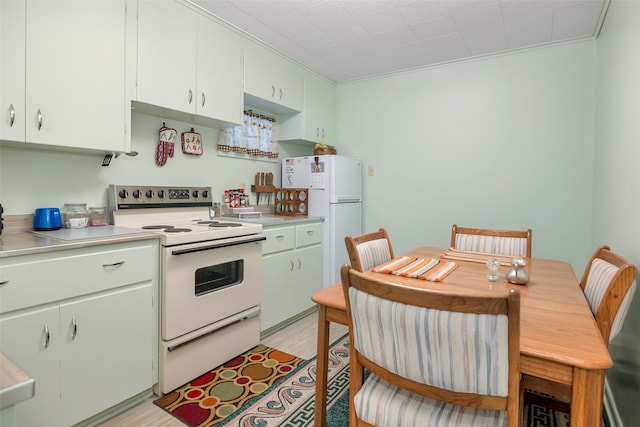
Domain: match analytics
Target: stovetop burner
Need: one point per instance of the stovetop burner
(225, 224)
(177, 230)
(207, 222)
(157, 227)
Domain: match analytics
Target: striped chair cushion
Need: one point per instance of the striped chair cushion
(373, 253)
(600, 276)
(461, 352)
(383, 404)
(618, 321)
(515, 246)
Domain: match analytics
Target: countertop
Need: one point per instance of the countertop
(15, 384)
(33, 242)
(271, 220)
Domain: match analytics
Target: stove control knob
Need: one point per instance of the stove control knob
(149, 194)
(161, 194)
(136, 193)
(195, 193)
(205, 193)
(123, 194)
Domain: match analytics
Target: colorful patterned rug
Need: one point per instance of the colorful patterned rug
(268, 388)
(209, 399)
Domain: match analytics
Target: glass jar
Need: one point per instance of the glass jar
(97, 216)
(75, 215)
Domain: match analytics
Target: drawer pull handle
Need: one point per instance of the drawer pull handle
(280, 237)
(75, 328)
(4, 282)
(310, 232)
(113, 264)
(47, 336)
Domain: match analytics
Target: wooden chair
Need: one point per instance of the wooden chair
(609, 284)
(431, 356)
(369, 250)
(504, 242)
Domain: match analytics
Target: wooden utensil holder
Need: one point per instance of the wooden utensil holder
(291, 201)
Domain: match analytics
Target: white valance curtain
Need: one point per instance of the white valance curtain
(257, 137)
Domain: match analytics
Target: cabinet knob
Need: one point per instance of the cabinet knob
(203, 99)
(75, 328)
(4, 282)
(280, 94)
(190, 96)
(273, 91)
(291, 265)
(39, 119)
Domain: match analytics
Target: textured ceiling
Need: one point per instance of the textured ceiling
(350, 39)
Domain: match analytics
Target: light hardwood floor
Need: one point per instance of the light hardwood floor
(299, 339)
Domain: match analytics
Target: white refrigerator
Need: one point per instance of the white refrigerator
(335, 193)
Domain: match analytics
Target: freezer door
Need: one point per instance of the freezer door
(345, 220)
(345, 178)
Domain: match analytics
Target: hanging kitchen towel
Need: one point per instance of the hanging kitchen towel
(166, 144)
(191, 143)
(431, 269)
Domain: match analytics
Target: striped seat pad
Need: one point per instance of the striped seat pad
(431, 269)
(373, 252)
(383, 404)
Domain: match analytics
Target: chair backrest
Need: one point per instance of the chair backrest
(458, 349)
(503, 242)
(369, 250)
(609, 284)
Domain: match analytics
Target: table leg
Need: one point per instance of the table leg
(586, 397)
(322, 362)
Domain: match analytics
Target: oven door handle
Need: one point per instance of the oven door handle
(217, 246)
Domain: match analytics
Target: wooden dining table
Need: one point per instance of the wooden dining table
(559, 339)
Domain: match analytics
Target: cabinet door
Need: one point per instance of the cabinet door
(12, 74)
(107, 348)
(219, 85)
(272, 82)
(75, 73)
(167, 49)
(277, 296)
(318, 111)
(308, 277)
(24, 340)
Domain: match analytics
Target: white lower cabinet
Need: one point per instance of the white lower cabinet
(89, 349)
(292, 271)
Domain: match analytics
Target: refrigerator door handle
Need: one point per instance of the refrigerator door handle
(348, 199)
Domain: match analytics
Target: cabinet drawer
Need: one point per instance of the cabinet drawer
(43, 278)
(308, 234)
(278, 239)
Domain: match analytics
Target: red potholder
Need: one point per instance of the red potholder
(166, 144)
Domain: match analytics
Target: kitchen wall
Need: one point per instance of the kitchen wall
(616, 206)
(499, 142)
(31, 178)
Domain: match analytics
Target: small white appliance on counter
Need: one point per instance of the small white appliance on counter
(335, 193)
(210, 277)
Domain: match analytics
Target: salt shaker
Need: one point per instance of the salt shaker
(517, 274)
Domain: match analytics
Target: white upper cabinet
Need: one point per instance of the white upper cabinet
(187, 63)
(64, 73)
(271, 82)
(12, 54)
(167, 49)
(316, 122)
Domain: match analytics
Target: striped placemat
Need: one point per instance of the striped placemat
(431, 269)
(471, 256)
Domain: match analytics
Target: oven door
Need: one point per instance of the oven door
(205, 282)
